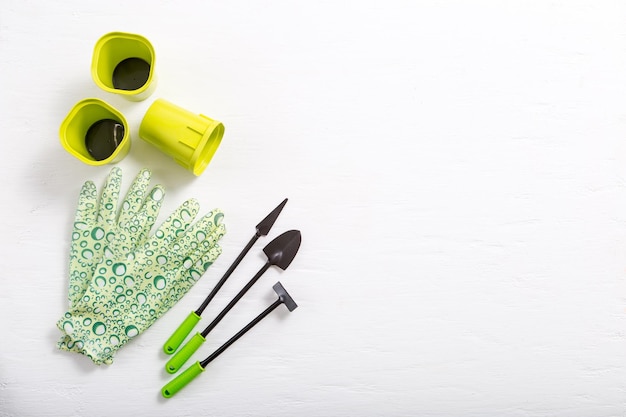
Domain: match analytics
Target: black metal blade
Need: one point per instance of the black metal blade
(266, 224)
(283, 249)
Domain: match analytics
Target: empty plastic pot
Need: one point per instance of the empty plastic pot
(191, 139)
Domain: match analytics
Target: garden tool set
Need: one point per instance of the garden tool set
(262, 229)
(280, 252)
(123, 277)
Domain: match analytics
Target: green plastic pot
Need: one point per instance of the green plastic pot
(191, 139)
(115, 47)
(78, 121)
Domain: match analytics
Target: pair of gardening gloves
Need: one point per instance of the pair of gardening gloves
(121, 278)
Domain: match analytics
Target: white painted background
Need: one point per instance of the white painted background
(457, 170)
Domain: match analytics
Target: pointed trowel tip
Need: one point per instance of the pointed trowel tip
(283, 248)
(266, 224)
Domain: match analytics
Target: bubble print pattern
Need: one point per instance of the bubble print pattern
(100, 231)
(130, 291)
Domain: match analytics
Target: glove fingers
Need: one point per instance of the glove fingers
(194, 236)
(186, 278)
(195, 264)
(203, 263)
(81, 253)
(91, 231)
(135, 197)
(110, 195)
(192, 254)
(87, 202)
(187, 259)
(151, 208)
(176, 224)
(137, 229)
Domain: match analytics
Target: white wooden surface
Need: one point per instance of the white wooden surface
(457, 170)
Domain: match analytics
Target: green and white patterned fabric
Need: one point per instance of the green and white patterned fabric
(122, 279)
(99, 227)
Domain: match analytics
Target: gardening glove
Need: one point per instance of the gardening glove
(129, 291)
(99, 230)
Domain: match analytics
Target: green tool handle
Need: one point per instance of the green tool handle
(181, 380)
(178, 360)
(181, 333)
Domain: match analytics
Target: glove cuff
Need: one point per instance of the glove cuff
(94, 336)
